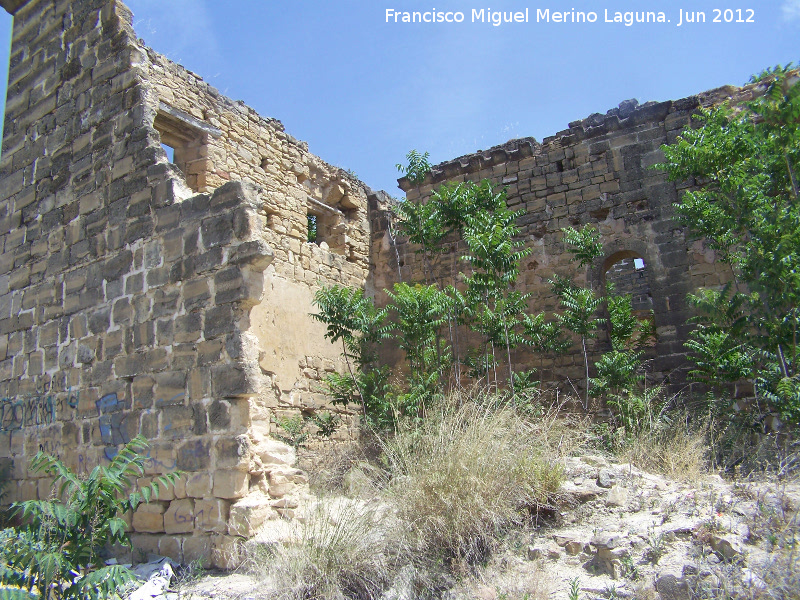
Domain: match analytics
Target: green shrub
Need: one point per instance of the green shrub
(53, 554)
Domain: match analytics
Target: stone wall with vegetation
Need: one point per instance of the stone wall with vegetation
(169, 300)
(596, 172)
(172, 299)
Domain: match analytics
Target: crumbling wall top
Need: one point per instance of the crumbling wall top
(12, 6)
(627, 115)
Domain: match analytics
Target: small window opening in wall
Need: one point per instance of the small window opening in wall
(184, 138)
(627, 272)
(312, 228)
(170, 152)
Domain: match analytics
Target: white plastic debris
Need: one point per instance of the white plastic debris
(158, 574)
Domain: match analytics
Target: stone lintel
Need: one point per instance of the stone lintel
(324, 208)
(12, 6)
(188, 119)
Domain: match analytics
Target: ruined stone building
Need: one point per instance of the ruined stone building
(172, 299)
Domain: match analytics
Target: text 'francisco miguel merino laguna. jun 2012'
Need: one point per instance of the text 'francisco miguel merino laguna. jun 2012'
(679, 17)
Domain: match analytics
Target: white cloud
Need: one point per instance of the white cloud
(791, 10)
(178, 29)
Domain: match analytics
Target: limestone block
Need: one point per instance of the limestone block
(226, 552)
(230, 484)
(44, 486)
(233, 452)
(198, 485)
(193, 455)
(159, 460)
(284, 480)
(248, 514)
(212, 515)
(172, 547)
(178, 489)
(285, 502)
(273, 452)
(197, 548)
(179, 517)
(149, 518)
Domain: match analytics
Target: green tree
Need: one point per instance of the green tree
(747, 158)
(719, 343)
(494, 256)
(419, 312)
(619, 371)
(417, 167)
(351, 318)
(579, 305)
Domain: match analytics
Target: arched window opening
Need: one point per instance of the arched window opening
(626, 271)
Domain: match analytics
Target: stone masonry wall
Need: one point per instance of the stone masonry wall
(171, 300)
(598, 172)
(293, 183)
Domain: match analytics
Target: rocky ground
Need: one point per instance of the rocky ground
(618, 532)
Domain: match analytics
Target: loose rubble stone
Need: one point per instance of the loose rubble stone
(609, 549)
(617, 496)
(670, 587)
(606, 478)
(726, 545)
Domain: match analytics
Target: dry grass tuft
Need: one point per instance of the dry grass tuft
(341, 549)
(464, 474)
(677, 452)
(350, 469)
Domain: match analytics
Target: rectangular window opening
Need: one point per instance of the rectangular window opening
(313, 232)
(170, 152)
(184, 138)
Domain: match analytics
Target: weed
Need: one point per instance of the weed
(629, 567)
(574, 588)
(55, 551)
(667, 510)
(656, 547)
(189, 574)
(295, 428)
(339, 550)
(675, 451)
(297, 432)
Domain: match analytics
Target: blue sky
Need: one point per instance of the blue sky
(362, 92)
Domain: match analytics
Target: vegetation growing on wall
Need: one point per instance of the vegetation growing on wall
(747, 209)
(463, 325)
(55, 551)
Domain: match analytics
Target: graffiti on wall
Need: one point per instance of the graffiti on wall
(43, 409)
(35, 410)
